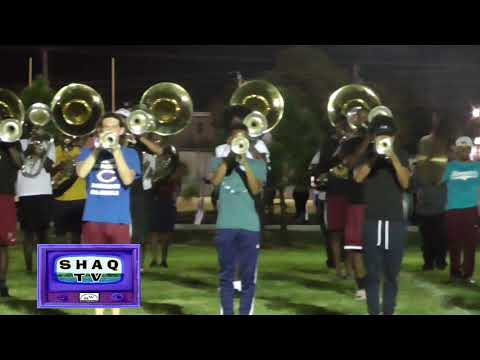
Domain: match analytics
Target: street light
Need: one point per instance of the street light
(476, 113)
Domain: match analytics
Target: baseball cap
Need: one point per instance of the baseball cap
(464, 141)
(383, 125)
(123, 112)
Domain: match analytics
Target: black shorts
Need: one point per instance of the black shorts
(163, 216)
(68, 216)
(35, 212)
(140, 209)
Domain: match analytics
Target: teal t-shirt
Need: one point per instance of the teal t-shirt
(463, 183)
(236, 208)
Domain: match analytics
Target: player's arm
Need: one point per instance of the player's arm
(15, 155)
(218, 176)
(361, 173)
(85, 167)
(253, 183)
(402, 172)
(126, 174)
(154, 148)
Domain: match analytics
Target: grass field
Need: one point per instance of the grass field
(293, 280)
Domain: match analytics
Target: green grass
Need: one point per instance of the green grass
(292, 280)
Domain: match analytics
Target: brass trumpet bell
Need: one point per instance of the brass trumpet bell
(170, 106)
(240, 145)
(347, 101)
(76, 109)
(39, 114)
(383, 145)
(266, 103)
(141, 122)
(108, 140)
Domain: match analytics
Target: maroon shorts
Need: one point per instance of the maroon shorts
(95, 233)
(336, 213)
(354, 227)
(8, 220)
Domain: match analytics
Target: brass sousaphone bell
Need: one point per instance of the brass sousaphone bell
(266, 103)
(165, 109)
(12, 116)
(347, 102)
(76, 109)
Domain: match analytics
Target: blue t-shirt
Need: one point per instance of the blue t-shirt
(108, 200)
(463, 183)
(236, 207)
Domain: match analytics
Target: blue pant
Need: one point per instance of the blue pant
(242, 248)
(384, 246)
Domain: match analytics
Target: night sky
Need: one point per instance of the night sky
(439, 74)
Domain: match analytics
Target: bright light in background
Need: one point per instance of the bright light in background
(475, 154)
(476, 113)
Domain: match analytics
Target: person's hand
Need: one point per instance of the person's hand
(230, 161)
(242, 160)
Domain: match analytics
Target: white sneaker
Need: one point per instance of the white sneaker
(361, 295)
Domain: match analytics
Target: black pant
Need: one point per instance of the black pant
(323, 228)
(301, 199)
(383, 255)
(434, 240)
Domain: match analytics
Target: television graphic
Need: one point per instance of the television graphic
(88, 276)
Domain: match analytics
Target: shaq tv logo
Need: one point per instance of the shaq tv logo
(89, 269)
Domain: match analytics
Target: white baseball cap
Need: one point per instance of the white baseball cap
(123, 112)
(464, 141)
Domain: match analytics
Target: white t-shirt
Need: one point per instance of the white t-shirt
(42, 183)
(223, 151)
(148, 170)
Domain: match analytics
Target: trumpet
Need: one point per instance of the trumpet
(109, 140)
(383, 145)
(240, 145)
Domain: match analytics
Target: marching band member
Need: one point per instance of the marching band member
(109, 175)
(70, 193)
(238, 224)
(336, 197)
(164, 210)
(10, 163)
(385, 178)
(462, 178)
(34, 189)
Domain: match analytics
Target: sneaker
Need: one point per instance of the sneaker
(470, 281)
(164, 264)
(361, 295)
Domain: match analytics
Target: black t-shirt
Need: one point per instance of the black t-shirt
(383, 193)
(8, 169)
(355, 190)
(330, 157)
(137, 186)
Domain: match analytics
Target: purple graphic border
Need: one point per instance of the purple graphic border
(107, 300)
